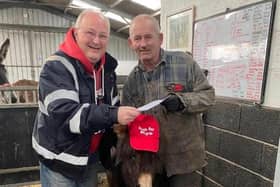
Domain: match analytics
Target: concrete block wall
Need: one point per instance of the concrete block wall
(241, 144)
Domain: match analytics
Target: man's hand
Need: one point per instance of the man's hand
(127, 114)
(173, 103)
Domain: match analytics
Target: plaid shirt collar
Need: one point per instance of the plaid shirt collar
(162, 60)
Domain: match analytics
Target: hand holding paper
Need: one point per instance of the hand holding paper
(151, 104)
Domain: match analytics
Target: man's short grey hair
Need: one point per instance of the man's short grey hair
(147, 17)
(84, 12)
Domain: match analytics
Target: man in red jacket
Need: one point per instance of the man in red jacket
(78, 103)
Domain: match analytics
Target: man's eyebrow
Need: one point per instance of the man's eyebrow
(92, 29)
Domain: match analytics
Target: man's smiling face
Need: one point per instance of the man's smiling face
(92, 36)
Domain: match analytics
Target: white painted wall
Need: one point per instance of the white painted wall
(205, 9)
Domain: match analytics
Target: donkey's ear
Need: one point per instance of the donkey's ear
(4, 48)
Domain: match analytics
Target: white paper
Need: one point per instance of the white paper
(150, 105)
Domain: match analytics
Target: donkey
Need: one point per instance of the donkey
(134, 168)
(22, 95)
(134, 163)
(3, 53)
(3, 72)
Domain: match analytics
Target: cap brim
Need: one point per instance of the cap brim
(144, 145)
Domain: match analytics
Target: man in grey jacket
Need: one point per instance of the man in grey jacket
(161, 73)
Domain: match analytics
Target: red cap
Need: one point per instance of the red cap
(144, 133)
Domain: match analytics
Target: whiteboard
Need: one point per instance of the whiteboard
(234, 48)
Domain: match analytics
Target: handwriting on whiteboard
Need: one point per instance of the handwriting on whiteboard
(233, 48)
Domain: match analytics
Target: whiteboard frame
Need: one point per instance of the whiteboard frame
(186, 16)
(268, 46)
(276, 182)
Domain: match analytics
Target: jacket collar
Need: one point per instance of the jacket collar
(162, 60)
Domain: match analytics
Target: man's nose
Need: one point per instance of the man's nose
(96, 39)
(143, 42)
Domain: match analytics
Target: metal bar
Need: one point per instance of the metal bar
(17, 170)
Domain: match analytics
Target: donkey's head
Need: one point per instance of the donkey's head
(3, 72)
(4, 50)
(135, 168)
(3, 54)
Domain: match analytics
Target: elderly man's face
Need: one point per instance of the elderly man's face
(92, 36)
(145, 41)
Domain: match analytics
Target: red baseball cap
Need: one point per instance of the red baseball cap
(144, 133)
